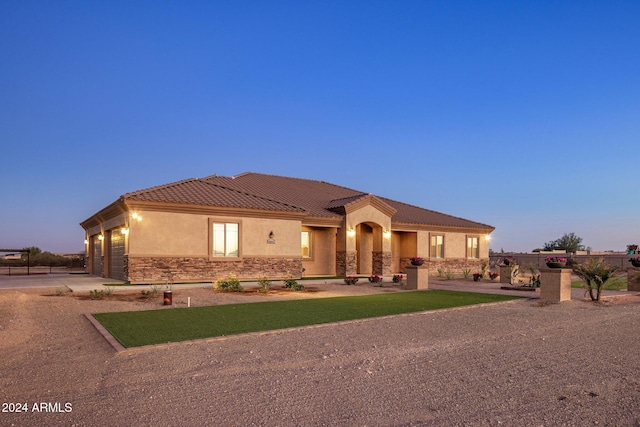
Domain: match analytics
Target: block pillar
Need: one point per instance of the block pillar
(505, 273)
(417, 277)
(633, 279)
(555, 284)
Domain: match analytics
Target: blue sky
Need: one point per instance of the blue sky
(524, 115)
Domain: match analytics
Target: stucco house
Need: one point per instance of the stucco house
(256, 225)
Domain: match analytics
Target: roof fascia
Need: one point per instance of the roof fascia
(111, 211)
(398, 226)
(213, 210)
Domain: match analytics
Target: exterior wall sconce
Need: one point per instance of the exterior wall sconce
(100, 237)
(487, 238)
(387, 233)
(86, 242)
(271, 235)
(124, 230)
(136, 216)
(351, 232)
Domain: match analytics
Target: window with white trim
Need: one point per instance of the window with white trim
(473, 250)
(437, 247)
(225, 239)
(305, 243)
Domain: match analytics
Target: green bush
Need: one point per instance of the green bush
(350, 280)
(264, 284)
(290, 283)
(231, 283)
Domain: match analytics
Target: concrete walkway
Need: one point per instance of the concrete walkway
(86, 283)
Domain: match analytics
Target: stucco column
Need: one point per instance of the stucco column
(555, 284)
(417, 277)
(633, 279)
(505, 273)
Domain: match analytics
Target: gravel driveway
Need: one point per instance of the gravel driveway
(514, 363)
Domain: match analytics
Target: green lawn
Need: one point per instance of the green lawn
(136, 328)
(614, 284)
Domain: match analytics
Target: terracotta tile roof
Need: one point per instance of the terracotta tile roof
(280, 193)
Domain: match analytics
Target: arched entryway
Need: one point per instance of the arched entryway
(369, 248)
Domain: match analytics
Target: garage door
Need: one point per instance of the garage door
(96, 256)
(116, 254)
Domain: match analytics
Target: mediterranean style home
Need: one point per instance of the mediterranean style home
(255, 225)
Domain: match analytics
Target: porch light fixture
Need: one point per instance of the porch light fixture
(271, 235)
(124, 230)
(387, 233)
(86, 242)
(487, 238)
(351, 232)
(136, 216)
(100, 237)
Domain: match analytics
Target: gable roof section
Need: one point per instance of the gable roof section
(314, 196)
(323, 199)
(350, 204)
(198, 192)
(316, 199)
(409, 214)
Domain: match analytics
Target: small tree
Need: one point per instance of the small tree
(595, 272)
(568, 242)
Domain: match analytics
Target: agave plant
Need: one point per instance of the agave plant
(595, 272)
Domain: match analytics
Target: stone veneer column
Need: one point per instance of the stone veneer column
(382, 263)
(555, 284)
(633, 279)
(417, 277)
(346, 263)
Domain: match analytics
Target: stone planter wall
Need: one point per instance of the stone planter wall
(633, 279)
(417, 277)
(555, 284)
(505, 273)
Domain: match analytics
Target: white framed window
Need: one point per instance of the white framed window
(436, 249)
(305, 244)
(473, 250)
(225, 239)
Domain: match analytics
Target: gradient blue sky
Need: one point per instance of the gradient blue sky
(521, 114)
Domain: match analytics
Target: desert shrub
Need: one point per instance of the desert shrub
(440, 272)
(350, 280)
(60, 292)
(264, 284)
(154, 289)
(231, 283)
(290, 283)
(484, 265)
(96, 294)
(448, 274)
(595, 272)
(466, 273)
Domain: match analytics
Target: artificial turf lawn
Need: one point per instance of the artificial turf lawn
(137, 328)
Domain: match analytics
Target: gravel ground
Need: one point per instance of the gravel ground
(514, 363)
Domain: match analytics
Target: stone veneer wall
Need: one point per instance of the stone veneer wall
(382, 263)
(149, 269)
